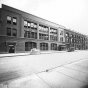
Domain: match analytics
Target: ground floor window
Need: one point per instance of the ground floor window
(53, 46)
(43, 46)
(30, 45)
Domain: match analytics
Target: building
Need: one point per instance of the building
(21, 31)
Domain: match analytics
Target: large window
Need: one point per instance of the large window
(53, 31)
(9, 31)
(43, 46)
(14, 21)
(43, 28)
(9, 19)
(53, 46)
(30, 45)
(30, 34)
(52, 37)
(43, 36)
(14, 32)
(29, 24)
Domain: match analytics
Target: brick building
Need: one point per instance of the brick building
(21, 31)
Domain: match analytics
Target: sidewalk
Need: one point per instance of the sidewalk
(73, 75)
(27, 53)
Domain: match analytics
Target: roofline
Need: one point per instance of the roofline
(3, 6)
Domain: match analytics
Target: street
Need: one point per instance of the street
(56, 70)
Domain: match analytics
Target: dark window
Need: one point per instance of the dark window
(29, 24)
(43, 46)
(30, 45)
(14, 32)
(52, 37)
(61, 39)
(53, 46)
(43, 36)
(14, 21)
(8, 19)
(9, 31)
(25, 33)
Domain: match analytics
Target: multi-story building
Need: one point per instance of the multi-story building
(21, 31)
(74, 39)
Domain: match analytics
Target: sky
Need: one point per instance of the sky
(72, 14)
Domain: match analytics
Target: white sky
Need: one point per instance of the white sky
(73, 14)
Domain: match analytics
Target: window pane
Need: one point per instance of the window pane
(25, 23)
(14, 20)
(14, 32)
(9, 31)
(8, 19)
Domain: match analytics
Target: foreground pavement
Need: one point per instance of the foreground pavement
(65, 70)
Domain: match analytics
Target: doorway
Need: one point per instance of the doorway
(11, 49)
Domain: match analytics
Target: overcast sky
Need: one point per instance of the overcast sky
(73, 14)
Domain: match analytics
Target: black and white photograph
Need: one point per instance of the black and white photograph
(43, 43)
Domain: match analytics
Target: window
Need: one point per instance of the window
(14, 21)
(43, 28)
(43, 46)
(53, 31)
(9, 31)
(53, 46)
(30, 34)
(30, 45)
(29, 24)
(61, 39)
(52, 37)
(14, 32)
(25, 33)
(43, 36)
(8, 19)
(61, 32)
(25, 23)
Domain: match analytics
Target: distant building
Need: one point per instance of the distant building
(21, 31)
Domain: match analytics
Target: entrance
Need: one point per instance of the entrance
(11, 48)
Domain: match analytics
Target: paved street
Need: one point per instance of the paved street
(56, 70)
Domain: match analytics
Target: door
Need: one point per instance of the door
(11, 48)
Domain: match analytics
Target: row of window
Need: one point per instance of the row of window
(11, 31)
(11, 19)
(72, 40)
(53, 31)
(74, 36)
(29, 34)
(52, 37)
(29, 24)
(43, 46)
(43, 28)
(43, 36)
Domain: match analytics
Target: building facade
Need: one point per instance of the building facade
(21, 31)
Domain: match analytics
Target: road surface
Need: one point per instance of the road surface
(46, 70)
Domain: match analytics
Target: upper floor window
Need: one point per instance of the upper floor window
(9, 19)
(53, 31)
(61, 32)
(25, 23)
(14, 32)
(43, 28)
(9, 31)
(14, 20)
